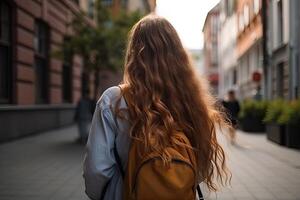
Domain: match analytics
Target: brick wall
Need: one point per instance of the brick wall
(56, 14)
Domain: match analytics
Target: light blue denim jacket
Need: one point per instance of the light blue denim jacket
(101, 172)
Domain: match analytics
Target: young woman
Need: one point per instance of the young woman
(160, 94)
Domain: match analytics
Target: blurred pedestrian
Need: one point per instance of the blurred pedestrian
(232, 109)
(83, 116)
(154, 136)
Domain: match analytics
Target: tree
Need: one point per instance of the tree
(101, 46)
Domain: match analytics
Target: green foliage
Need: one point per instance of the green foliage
(101, 46)
(274, 111)
(116, 37)
(253, 109)
(290, 113)
(277, 111)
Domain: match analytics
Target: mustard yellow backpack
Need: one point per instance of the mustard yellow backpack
(148, 178)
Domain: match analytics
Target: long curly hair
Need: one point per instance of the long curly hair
(163, 94)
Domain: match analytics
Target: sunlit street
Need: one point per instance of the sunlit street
(121, 99)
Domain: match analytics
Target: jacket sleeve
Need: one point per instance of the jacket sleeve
(99, 162)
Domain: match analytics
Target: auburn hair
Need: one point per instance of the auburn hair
(163, 94)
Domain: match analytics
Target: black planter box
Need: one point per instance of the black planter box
(293, 136)
(254, 125)
(276, 133)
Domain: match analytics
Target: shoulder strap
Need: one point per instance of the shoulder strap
(200, 195)
(117, 157)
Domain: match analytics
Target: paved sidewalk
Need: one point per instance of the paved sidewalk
(260, 170)
(43, 167)
(49, 167)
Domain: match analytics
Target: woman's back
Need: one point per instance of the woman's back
(163, 94)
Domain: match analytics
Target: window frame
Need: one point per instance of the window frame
(107, 2)
(91, 9)
(44, 57)
(246, 14)
(241, 21)
(280, 22)
(67, 64)
(280, 79)
(9, 99)
(234, 76)
(256, 6)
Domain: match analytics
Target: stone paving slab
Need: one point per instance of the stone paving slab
(43, 167)
(49, 167)
(260, 170)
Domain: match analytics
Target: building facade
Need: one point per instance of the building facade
(227, 47)
(197, 58)
(37, 91)
(144, 6)
(283, 26)
(249, 48)
(210, 50)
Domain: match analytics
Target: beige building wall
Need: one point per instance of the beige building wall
(249, 46)
(228, 54)
(274, 26)
(144, 6)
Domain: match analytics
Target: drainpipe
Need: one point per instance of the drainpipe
(294, 49)
(264, 16)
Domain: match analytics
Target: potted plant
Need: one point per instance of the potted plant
(275, 130)
(290, 117)
(252, 114)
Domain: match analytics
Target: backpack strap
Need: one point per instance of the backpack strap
(200, 195)
(117, 157)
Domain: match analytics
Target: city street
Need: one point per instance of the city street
(58, 57)
(49, 166)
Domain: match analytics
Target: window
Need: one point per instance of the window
(279, 22)
(247, 67)
(241, 22)
(76, 1)
(41, 61)
(239, 72)
(234, 77)
(259, 57)
(84, 82)
(256, 6)
(124, 3)
(246, 15)
(67, 75)
(226, 2)
(91, 8)
(214, 53)
(67, 83)
(251, 10)
(107, 2)
(230, 6)
(280, 79)
(5, 52)
(214, 26)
